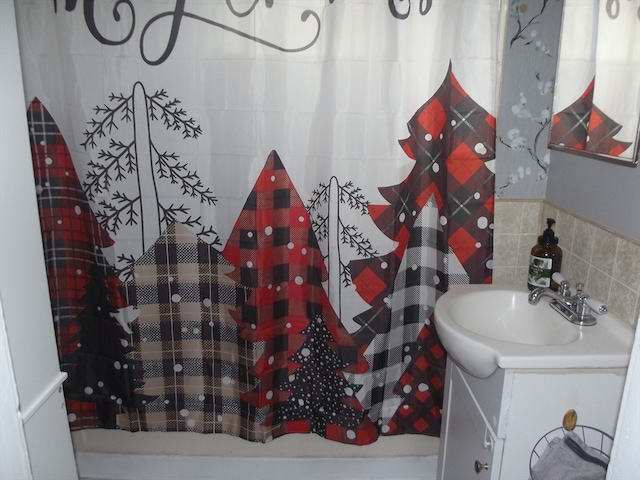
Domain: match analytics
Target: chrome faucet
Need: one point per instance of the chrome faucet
(563, 294)
(578, 308)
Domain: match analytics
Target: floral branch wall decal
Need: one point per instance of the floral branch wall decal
(518, 10)
(519, 141)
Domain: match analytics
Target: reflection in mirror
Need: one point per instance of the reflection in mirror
(597, 96)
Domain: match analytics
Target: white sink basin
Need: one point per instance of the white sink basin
(485, 327)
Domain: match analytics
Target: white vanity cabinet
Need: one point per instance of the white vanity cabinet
(490, 425)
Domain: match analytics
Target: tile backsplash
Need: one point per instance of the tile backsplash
(607, 262)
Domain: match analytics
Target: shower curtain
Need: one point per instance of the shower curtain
(249, 208)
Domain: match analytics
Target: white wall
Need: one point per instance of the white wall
(23, 288)
(625, 462)
(14, 456)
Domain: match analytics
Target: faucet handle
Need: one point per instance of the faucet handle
(584, 300)
(558, 278)
(564, 288)
(597, 306)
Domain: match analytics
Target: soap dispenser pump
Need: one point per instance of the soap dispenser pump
(545, 260)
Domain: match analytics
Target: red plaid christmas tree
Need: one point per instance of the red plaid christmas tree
(85, 292)
(278, 258)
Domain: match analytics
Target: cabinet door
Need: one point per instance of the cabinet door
(470, 449)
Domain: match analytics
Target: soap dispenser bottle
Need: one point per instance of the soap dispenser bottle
(545, 260)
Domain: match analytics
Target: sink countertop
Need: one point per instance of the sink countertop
(484, 327)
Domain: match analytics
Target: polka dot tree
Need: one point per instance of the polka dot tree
(319, 392)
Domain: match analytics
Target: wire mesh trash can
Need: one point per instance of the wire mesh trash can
(595, 438)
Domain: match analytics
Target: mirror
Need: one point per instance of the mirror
(596, 106)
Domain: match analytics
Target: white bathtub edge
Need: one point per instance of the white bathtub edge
(110, 466)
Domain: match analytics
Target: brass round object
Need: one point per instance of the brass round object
(569, 420)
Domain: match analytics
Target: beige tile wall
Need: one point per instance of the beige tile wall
(608, 263)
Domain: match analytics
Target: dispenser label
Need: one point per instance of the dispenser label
(540, 271)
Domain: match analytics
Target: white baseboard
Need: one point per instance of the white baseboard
(107, 466)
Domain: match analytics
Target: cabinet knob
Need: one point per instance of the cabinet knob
(569, 420)
(481, 466)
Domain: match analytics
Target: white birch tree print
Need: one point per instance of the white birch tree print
(127, 179)
(324, 209)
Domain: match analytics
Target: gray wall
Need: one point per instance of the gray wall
(606, 193)
(526, 96)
